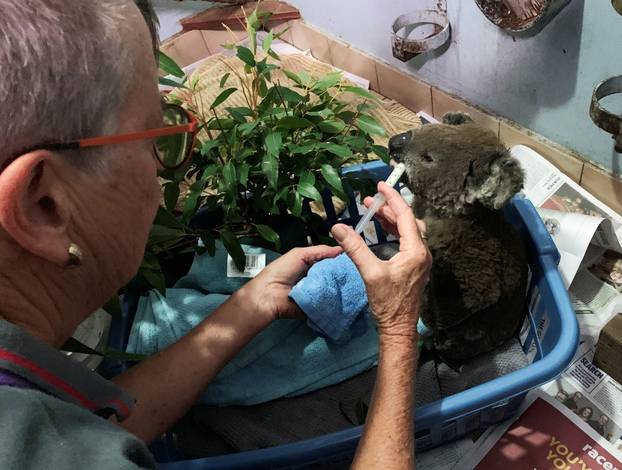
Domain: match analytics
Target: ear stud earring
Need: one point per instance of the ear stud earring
(75, 256)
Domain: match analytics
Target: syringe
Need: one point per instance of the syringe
(379, 199)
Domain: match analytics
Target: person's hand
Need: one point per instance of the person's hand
(268, 293)
(394, 287)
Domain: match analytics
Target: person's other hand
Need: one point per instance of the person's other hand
(268, 293)
(394, 287)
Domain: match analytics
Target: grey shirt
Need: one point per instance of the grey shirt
(57, 422)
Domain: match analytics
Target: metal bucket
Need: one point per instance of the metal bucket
(522, 15)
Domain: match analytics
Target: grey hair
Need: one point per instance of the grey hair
(66, 70)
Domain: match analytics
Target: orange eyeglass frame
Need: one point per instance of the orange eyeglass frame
(190, 127)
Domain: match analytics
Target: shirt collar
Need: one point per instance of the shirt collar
(57, 374)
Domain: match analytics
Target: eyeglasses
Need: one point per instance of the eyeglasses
(173, 146)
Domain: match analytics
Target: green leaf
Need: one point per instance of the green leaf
(382, 152)
(243, 170)
(327, 81)
(339, 150)
(301, 149)
(331, 176)
(294, 122)
(247, 128)
(355, 141)
(224, 79)
(307, 178)
(269, 235)
(208, 145)
(282, 194)
(221, 124)
(172, 83)
(305, 78)
(270, 168)
(155, 278)
(165, 218)
(222, 97)
(274, 55)
(267, 42)
(364, 107)
(192, 201)
(332, 126)
(239, 113)
(347, 116)
(274, 143)
(263, 87)
(324, 113)
(368, 124)
(293, 77)
(161, 234)
(289, 95)
(296, 205)
(171, 195)
(246, 55)
(229, 175)
(169, 66)
(209, 241)
(233, 247)
(310, 191)
(358, 91)
(210, 170)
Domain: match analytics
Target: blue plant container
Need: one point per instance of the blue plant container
(550, 338)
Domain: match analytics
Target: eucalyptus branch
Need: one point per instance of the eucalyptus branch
(245, 91)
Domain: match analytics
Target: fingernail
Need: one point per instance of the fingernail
(339, 232)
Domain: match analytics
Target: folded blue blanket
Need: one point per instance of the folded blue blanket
(334, 298)
(286, 359)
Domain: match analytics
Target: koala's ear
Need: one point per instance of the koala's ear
(455, 119)
(493, 181)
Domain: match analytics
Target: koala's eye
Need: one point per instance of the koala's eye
(426, 157)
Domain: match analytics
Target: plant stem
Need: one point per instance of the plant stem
(225, 140)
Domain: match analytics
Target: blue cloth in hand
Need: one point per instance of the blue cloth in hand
(286, 359)
(334, 298)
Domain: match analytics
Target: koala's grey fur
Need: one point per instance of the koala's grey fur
(461, 177)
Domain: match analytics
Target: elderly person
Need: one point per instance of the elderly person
(74, 220)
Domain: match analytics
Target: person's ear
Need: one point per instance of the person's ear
(34, 205)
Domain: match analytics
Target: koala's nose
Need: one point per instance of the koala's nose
(397, 143)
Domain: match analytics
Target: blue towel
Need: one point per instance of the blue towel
(286, 359)
(334, 298)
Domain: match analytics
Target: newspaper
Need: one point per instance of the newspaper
(544, 435)
(578, 222)
(587, 235)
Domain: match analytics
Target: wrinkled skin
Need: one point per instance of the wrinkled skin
(461, 177)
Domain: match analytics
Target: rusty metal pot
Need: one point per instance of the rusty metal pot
(603, 118)
(521, 15)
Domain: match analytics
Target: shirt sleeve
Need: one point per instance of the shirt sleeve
(41, 431)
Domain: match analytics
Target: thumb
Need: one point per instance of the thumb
(355, 248)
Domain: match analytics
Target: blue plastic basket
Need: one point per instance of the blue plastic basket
(550, 338)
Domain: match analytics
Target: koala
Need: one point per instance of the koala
(461, 176)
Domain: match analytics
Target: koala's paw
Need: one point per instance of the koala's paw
(455, 119)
